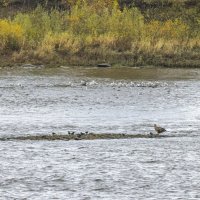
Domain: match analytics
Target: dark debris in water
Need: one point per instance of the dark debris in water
(81, 136)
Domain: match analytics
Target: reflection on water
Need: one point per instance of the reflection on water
(115, 100)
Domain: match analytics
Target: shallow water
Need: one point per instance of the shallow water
(35, 101)
(120, 100)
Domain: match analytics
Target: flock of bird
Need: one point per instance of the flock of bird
(157, 128)
(74, 133)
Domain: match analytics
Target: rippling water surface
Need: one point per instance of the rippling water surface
(118, 100)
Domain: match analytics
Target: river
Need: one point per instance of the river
(100, 100)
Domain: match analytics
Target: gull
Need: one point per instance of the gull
(159, 129)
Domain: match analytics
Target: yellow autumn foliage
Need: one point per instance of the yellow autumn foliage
(64, 43)
(11, 35)
(93, 24)
(168, 30)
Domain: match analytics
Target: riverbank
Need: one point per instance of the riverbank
(101, 32)
(186, 60)
(82, 136)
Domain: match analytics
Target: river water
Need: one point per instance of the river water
(114, 100)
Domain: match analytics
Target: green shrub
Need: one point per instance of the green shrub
(39, 23)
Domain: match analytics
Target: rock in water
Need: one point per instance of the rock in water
(31, 66)
(104, 65)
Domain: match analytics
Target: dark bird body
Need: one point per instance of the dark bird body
(71, 133)
(159, 129)
(151, 134)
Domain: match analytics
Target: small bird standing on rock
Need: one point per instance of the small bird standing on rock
(151, 134)
(159, 129)
(71, 133)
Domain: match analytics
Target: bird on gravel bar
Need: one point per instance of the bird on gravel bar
(71, 132)
(159, 129)
(151, 134)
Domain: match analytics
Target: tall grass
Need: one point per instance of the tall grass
(38, 24)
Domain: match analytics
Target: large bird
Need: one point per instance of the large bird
(159, 129)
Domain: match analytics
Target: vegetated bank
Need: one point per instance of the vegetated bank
(130, 33)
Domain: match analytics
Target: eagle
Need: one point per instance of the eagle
(159, 129)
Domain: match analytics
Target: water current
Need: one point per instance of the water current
(114, 100)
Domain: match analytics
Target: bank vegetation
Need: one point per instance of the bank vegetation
(89, 32)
